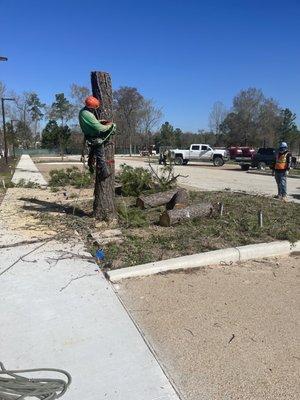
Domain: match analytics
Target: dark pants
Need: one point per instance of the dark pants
(97, 154)
(280, 177)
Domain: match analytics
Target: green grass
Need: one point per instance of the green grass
(145, 241)
(237, 226)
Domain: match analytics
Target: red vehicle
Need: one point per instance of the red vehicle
(241, 151)
(248, 151)
(234, 151)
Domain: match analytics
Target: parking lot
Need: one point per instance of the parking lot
(204, 176)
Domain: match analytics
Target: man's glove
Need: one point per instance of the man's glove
(105, 122)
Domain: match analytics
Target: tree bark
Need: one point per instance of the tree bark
(172, 217)
(104, 193)
(179, 200)
(156, 199)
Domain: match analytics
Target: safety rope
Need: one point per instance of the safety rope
(17, 387)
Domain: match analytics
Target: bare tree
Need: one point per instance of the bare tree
(2, 90)
(21, 112)
(268, 123)
(128, 105)
(217, 116)
(150, 116)
(79, 94)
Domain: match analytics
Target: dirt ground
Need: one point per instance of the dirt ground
(27, 211)
(224, 333)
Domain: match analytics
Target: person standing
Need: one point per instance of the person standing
(96, 133)
(281, 169)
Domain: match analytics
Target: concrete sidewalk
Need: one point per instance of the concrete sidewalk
(57, 310)
(26, 170)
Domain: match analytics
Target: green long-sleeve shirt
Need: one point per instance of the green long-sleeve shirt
(91, 127)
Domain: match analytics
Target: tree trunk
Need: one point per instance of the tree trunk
(130, 146)
(104, 193)
(156, 199)
(172, 217)
(179, 200)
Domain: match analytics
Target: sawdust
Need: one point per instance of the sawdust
(21, 209)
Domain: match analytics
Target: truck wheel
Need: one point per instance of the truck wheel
(178, 160)
(185, 162)
(261, 165)
(218, 161)
(245, 167)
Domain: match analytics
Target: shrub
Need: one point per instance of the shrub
(23, 184)
(71, 176)
(135, 180)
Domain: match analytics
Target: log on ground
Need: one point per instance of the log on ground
(156, 199)
(172, 217)
(179, 200)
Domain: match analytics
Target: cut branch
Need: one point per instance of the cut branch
(156, 199)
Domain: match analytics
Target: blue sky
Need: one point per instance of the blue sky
(183, 54)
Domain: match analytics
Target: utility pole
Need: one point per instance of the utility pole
(3, 99)
(13, 136)
(104, 193)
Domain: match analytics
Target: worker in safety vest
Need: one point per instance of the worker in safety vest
(281, 168)
(96, 133)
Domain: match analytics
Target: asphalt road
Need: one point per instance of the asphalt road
(204, 176)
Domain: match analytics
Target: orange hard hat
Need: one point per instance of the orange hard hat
(92, 102)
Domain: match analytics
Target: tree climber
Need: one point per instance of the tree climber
(97, 134)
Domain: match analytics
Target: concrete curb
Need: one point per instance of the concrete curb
(230, 255)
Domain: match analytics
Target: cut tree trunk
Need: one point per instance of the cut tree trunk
(104, 193)
(156, 199)
(172, 217)
(179, 200)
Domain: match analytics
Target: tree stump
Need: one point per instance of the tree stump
(179, 200)
(172, 217)
(104, 193)
(156, 199)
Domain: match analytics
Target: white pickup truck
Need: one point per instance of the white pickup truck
(199, 152)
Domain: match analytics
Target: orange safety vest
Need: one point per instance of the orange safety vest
(281, 161)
